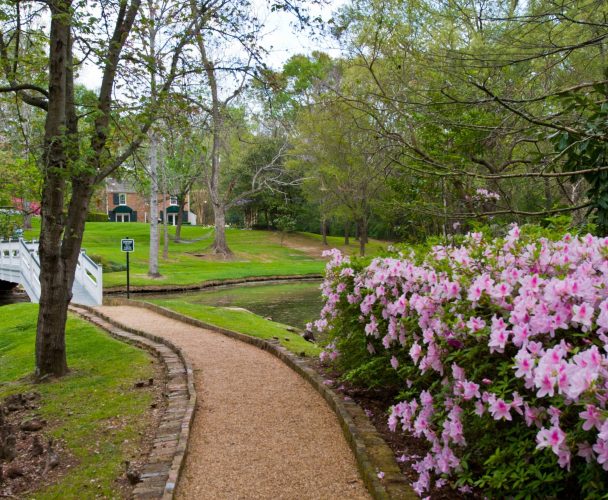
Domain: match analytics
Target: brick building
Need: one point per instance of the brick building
(123, 204)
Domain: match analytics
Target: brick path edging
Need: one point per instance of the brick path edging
(371, 452)
(164, 465)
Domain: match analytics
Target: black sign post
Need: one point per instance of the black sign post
(127, 245)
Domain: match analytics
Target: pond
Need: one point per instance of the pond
(293, 303)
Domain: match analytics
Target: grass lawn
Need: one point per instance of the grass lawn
(373, 247)
(257, 253)
(94, 410)
(242, 322)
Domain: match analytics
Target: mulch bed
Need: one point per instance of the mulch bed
(28, 457)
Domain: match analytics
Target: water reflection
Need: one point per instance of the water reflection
(293, 303)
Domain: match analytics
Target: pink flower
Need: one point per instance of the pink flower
(517, 403)
(501, 290)
(563, 458)
(436, 308)
(457, 372)
(500, 410)
(524, 364)
(470, 390)
(475, 324)
(415, 352)
(498, 340)
(480, 408)
(583, 314)
(531, 415)
(601, 448)
(394, 362)
(585, 451)
(552, 437)
(591, 416)
(545, 386)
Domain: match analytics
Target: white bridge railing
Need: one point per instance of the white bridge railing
(20, 263)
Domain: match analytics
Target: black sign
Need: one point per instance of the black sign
(127, 245)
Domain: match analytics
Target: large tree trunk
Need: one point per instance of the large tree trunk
(56, 273)
(154, 234)
(220, 246)
(55, 293)
(60, 233)
(213, 180)
(347, 233)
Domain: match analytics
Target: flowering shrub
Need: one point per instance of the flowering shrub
(499, 348)
(482, 194)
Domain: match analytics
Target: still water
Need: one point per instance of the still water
(293, 303)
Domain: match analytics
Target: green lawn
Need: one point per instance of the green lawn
(94, 410)
(256, 253)
(373, 247)
(243, 322)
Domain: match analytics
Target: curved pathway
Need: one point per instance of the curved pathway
(260, 431)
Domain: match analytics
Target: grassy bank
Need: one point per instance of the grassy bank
(256, 253)
(243, 322)
(94, 411)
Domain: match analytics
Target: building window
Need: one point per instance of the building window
(173, 200)
(122, 198)
(123, 217)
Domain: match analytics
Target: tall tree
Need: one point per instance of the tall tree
(73, 159)
(472, 95)
(228, 38)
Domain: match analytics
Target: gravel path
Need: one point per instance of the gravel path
(260, 431)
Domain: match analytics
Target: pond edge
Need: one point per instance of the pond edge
(153, 289)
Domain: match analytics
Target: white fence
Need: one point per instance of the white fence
(19, 263)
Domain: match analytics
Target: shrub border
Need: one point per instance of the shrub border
(162, 469)
(371, 452)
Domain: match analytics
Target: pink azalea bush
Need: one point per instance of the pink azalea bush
(499, 348)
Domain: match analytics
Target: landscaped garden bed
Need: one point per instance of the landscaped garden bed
(494, 351)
